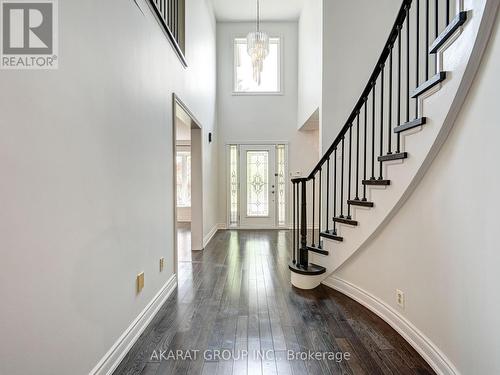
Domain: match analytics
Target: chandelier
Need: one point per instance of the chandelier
(258, 48)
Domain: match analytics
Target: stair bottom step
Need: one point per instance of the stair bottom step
(310, 270)
(331, 236)
(317, 250)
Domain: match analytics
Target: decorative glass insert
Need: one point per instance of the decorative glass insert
(243, 70)
(281, 181)
(183, 163)
(233, 185)
(257, 183)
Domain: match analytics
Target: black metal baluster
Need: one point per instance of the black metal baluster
(304, 261)
(389, 130)
(314, 209)
(334, 190)
(349, 174)
(436, 29)
(373, 131)
(365, 148)
(382, 68)
(294, 185)
(298, 224)
(417, 51)
(398, 138)
(327, 194)
(319, 208)
(342, 182)
(427, 10)
(357, 157)
(169, 11)
(447, 12)
(408, 63)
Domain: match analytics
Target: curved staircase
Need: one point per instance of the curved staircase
(394, 131)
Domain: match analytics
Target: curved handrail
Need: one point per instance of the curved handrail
(398, 24)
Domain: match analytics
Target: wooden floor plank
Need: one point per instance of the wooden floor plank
(236, 296)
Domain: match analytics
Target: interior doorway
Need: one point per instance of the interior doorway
(188, 178)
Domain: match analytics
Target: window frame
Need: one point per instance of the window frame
(280, 69)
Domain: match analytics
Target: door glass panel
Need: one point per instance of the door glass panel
(234, 180)
(281, 185)
(258, 183)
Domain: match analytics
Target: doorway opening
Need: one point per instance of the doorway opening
(258, 186)
(188, 178)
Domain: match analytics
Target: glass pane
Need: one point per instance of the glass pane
(233, 182)
(183, 168)
(281, 185)
(257, 183)
(270, 78)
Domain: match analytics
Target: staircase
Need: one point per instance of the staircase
(387, 143)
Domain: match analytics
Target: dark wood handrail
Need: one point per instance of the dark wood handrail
(398, 24)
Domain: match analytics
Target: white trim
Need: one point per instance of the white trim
(210, 234)
(121, 347)
(417, 339)
(258, 227)
(251, 143)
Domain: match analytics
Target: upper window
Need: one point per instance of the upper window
(243, 73)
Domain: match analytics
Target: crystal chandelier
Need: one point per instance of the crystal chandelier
(258, 48)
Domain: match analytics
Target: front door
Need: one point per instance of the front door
(257, 182)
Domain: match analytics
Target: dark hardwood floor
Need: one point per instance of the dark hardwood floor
(236, 296)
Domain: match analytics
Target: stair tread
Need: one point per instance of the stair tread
(318, 250)
(344, 220)
(377, 182)
(331, 236)
(395, 156)
(311, 269)
(458, 21)
(410, 124)
(360, 203)
(430, 83)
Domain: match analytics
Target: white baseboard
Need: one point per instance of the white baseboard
(421, 343)
(212, 232)
(121, 347)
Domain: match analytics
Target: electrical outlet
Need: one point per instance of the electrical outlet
(162, 264)
(140, 282)
(400, 298)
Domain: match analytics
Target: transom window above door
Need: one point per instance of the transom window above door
(244, 82)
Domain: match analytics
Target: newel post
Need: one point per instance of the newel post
(303, 259)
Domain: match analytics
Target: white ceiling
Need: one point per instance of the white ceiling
(246, 10)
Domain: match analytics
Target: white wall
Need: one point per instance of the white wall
(354, 33)
(441, 248)
(310, 60)
(260, 117)
(86, 191)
